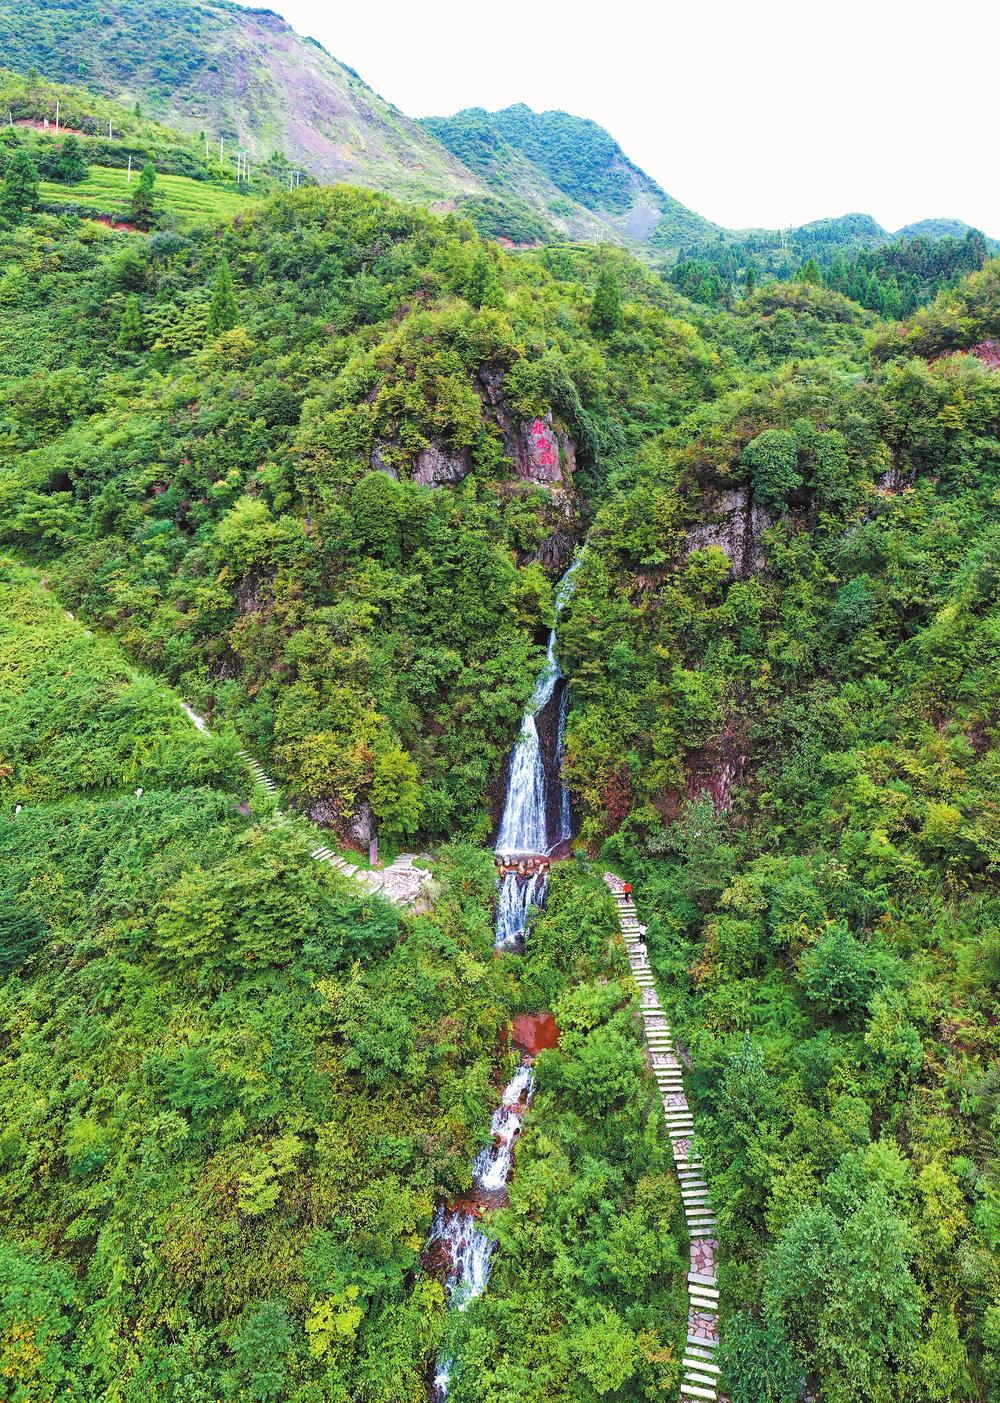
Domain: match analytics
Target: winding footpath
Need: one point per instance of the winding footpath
(701, 1373)
(401, 882)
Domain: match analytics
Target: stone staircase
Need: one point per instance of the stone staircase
(401, 882)
(701, 1373)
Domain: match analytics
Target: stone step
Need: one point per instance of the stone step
(700, 1360)
(696, 1342)
(705, 1293)
(702, 1351)
(698, 1278)
(700, 1377)
(697, 1391)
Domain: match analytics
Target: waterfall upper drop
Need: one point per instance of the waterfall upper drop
(531, 821)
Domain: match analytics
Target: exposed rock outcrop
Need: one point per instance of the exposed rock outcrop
(379, 462)
(437, 468)
(736, 524)
(542, 455)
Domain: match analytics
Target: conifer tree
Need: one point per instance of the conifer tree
(130, 332)
(482, 286)
(750, 281)
(606, 311)
(223, 313)
(142, 201)
(19, 194)
(71, 167)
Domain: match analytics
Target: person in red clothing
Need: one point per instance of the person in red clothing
(627, 888)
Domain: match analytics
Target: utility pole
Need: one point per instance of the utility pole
(57, 116)
(130, 168)
(221, 148)
(109, 128)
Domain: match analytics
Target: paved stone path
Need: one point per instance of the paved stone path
(701, 1373)
(401, 882)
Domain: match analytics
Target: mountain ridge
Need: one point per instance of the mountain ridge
(246, 76)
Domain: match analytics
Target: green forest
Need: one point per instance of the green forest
(313, 462)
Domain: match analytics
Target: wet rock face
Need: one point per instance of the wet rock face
(736, 525)
(436, 468)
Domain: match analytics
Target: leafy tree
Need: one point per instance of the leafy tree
(130, 332)
(482, 286)
(395, 791)
(757, 1362)
(772, 459)
(71, 166)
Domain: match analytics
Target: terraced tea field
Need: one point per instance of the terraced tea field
(107, 191)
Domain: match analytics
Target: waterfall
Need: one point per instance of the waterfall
(493, 1165)
(469, 1248)
(524, 829)
(524, 826)
(517, 896)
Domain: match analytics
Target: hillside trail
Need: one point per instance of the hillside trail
(402, 882)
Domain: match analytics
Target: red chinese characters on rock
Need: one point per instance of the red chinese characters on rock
(542, 455)
(545, 453)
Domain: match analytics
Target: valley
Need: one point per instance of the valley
(498, 756)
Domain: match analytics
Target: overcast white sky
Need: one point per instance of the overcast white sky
(766, 112)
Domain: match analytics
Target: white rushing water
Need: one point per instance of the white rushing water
(524, 823)
(524, 827)
(493, 1165)
(517, 896)
(470, 1250)
(523, 830)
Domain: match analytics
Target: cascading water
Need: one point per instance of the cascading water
(524, 825)
(469, 1248)
(528, 824)
(525, 828)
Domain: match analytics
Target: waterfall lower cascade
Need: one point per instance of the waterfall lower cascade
(536, 819)
(469, 1248)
